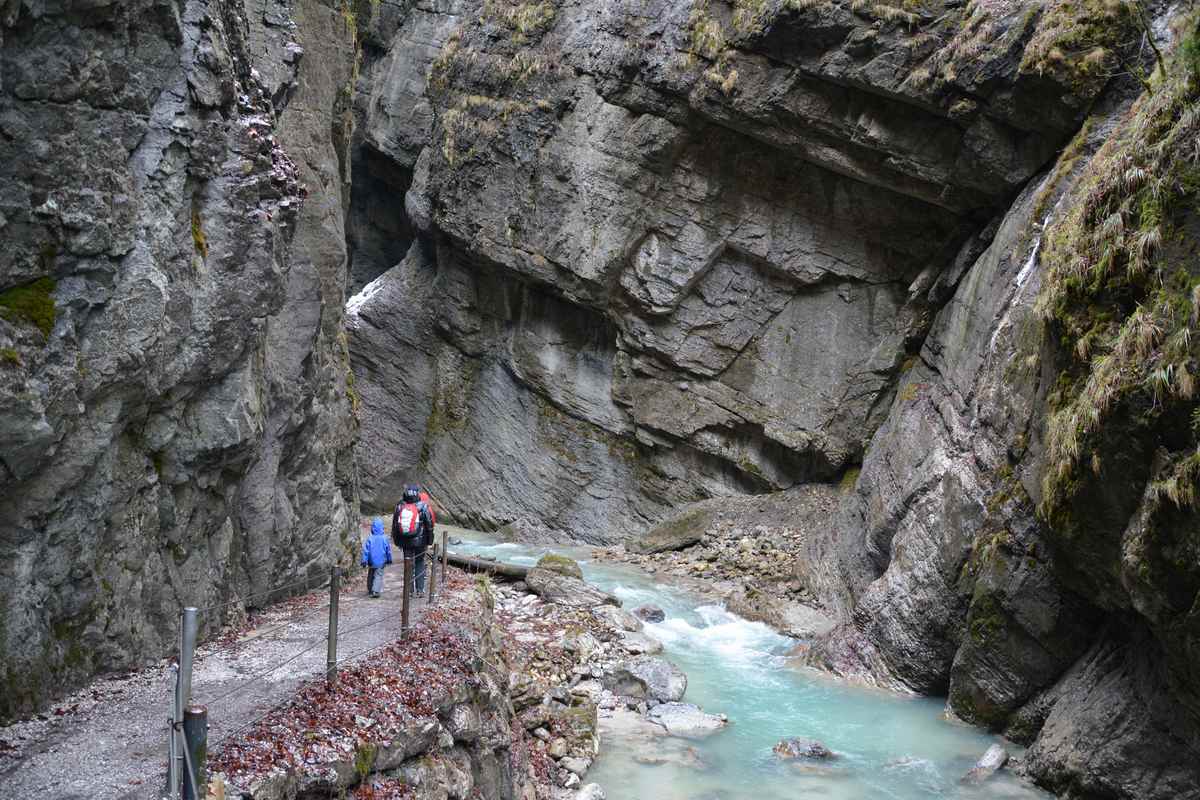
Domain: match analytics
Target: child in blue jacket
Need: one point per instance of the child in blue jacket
(376, 554)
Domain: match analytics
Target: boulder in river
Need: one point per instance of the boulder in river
(992, 760)
(664, 681)
(561, 564)
(798, 747)
(636, 643)
(554, 587)
(650, 613)
(617, 618)
(686, 720)
(623, 683)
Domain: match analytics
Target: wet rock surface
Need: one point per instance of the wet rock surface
(650, 613)
(994, 759)
(802, 748)
(686, 720)
(555, 587)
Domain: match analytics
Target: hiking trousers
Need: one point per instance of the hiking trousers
(420, 564)
(375, 579)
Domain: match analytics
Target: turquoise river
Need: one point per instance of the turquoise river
(887, 746)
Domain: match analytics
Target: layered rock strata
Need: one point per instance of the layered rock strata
(672, 251)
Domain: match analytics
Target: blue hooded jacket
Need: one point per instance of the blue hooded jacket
(377, 550)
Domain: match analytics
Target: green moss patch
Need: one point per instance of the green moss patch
(31, 304)
(849, 479)
(1077, 42)
(560, 564)
(199, 240)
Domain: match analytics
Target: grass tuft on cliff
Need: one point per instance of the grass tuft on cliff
(31, 304)
(1122, 296)
(1077, 41)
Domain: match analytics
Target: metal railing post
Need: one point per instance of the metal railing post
(195, 750)
(408, 587)
(432, 574)
(187, 654)
(172, 789)
(176, 758)
(444, 551)
(335, 585)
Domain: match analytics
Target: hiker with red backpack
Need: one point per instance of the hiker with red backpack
(412, 530)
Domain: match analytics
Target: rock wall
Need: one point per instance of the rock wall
(1045, 586)
(671, 251)
(666, 252)
(176, 426)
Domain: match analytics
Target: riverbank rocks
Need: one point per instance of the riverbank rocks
(650, 613)
(561, 564)
(770, 605)
(743, 551)
(797, 748)
(991, 761)
(686, 720)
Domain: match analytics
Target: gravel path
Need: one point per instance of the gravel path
(108, 740)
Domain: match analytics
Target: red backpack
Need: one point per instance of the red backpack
(408, 521)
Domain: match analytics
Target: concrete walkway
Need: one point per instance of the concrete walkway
(108, 740)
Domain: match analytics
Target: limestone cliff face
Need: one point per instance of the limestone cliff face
(669, 251)
(176, 425)
(1022, 534)
(655, 252)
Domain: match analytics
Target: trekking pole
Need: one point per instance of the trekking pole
(335, 585)
(444, 555)
(432, 574)
(408, 587)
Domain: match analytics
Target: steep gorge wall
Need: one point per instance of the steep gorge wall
(671, 251)
(660, 252)
(1023, 534)
(176, 426)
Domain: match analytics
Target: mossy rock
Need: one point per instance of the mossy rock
(675, 533)
(577, 724)
(561, 564)
(31, 303)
